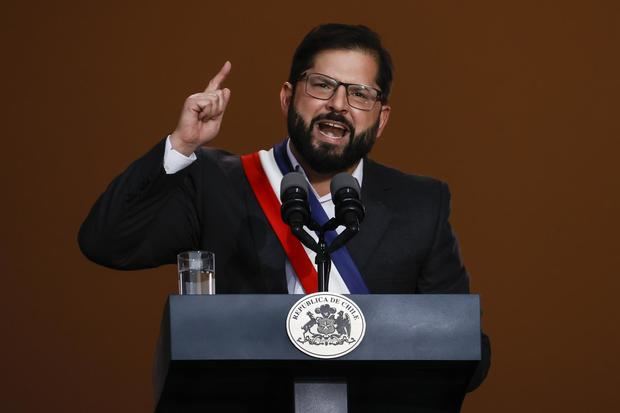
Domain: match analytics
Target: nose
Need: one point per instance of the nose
(338, 102)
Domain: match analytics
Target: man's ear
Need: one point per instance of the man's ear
(384, 116)
(286, 97)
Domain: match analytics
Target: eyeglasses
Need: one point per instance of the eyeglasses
(323, 87)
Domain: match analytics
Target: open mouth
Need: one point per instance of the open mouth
(332, 129)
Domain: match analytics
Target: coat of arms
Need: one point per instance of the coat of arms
(325, 325)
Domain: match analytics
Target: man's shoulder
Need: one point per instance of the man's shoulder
(217, 155)
(218, 161)
(391, 177)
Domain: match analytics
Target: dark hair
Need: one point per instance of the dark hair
(334, 36)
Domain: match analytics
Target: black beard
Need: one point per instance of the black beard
(321, 156)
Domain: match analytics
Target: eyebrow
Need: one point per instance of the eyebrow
(345, 83)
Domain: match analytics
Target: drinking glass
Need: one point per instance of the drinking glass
(196, 272)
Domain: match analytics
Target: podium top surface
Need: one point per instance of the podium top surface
(419, 327)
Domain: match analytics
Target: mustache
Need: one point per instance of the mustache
(335, 117)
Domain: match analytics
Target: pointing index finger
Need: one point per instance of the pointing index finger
(218, 79)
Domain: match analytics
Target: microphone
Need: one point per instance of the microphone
(294, 196)
(346, 195)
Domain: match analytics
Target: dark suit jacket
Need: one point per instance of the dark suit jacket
(146, 217)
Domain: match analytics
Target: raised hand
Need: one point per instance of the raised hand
(202, 115)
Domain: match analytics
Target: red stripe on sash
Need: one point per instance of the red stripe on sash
(271, 207)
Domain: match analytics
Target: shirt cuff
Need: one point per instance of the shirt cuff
(175, 161)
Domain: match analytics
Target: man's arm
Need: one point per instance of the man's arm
(146, 215)
(143, 218)
(444, 272)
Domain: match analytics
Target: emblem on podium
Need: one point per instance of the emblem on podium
(325, 325)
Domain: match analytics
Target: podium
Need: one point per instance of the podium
(231, 353)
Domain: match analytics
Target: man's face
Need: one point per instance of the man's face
(330, 135)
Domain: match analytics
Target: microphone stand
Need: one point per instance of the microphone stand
(323, 264)
(323, 259)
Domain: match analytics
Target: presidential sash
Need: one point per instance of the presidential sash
(264, 177)
(270, 204)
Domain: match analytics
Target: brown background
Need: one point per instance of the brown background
(515, 104)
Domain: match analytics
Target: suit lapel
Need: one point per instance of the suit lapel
(274, 275)
(378, 216)
(270, 256)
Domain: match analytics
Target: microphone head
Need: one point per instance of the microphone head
(346, 195)
(295, 209)
(293, 180)
(344, 180)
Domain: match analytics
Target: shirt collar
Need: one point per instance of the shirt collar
(358, 173)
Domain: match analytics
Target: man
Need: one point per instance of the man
(181, 196)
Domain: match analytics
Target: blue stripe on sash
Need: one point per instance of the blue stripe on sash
(341, 257)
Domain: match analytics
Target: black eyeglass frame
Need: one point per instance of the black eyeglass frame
(305, 76)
